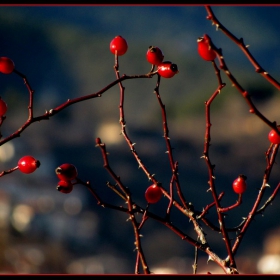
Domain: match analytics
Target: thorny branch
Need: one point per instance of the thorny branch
(199, 220)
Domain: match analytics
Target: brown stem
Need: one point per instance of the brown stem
(254, 210)
(66, 104)
(211, 169)
(131, 206)
(238, 202)
(8, 171)
(173, 166)
(211, 16)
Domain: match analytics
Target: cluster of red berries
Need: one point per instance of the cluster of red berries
(28, 164)
(154, 55)
(66, 173)
(166, 69)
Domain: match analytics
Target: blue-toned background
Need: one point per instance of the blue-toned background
(64, 52)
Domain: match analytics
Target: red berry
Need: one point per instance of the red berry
(239, 184)
(66, 172)
(204, 48)
(153, 194)
(167, 69)
(7, 66)
(273, 137)
(28, 164)
(118, 45)
(154, 55)
(64, 186)
(3, 107)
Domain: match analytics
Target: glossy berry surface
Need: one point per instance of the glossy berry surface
(64, 186)
(239, 185)
(28, 164)
(153, 194)
(118, 45)
(7, 66)
(66, 171)
(273, 137)
(154, 55)
(167, 69)
(3, 107)
(204, 48)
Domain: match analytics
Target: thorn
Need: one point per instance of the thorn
(133, 144)
(267, 185)
(247, 46)
(209, 259)
(167, 152)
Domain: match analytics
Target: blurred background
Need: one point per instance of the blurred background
(64, 52)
